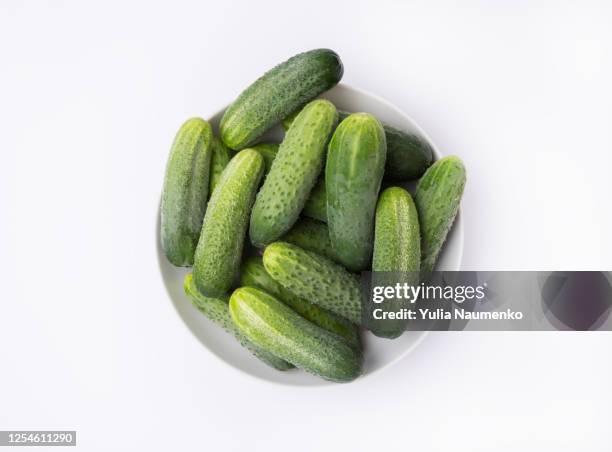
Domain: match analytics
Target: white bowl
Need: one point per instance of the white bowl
(379, 353)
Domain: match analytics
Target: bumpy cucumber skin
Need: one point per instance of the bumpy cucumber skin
(312, 235)
(437, 198)
(277, 93)
(254, 274)
(293, 174)
(397, 242)
(397, 249)
(354, 172)
(316, 204)
(268, 151)
(286, 123)
(408, 155)
(219, 250)
(185, 191)
(315, 278)
(275, 327)
(218, 161)
(217, 310)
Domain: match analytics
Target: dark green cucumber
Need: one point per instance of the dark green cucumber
(316, 205)
(312, 235)
(353, 174)
(254, 274)
(277, 93)
(218, 161)
(293, 174)
(217, 257)
(397, 254)
(315, 278)
(437, 198)
(268, 151)
(273, 326)
(217, 310)
(185, 191)
(408, 155)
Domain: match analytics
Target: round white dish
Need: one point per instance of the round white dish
(379, 353)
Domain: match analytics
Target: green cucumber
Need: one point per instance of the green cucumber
(218, 161)
(408, 155)
(254, 274)
(268, 151)
(397, 254)
(217, 310)
(293, 174)
(286, 122)
(437, 198)
(315, 278)
(185, 191)
(277, 93)
(397, 246)
(275, 327)
(217, 257)
(354, 172)
(312, 235)
(316, 205)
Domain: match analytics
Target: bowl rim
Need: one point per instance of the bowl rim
(323, 384)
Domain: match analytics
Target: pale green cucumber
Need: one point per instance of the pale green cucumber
(316, 205)
(185, 191)
(312, 235)
(353, 174)
(408, 155)
(277, 93)
(293, 174)
(218, 161)
(397, 246)
(397, 255)
(437, 198)
(217, 257)
(273, 326)
(315, 278)
(217, 310)
(254, 274)
(268, 151)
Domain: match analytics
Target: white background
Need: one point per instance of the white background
(90, 98)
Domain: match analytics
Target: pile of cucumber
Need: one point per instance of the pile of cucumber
(313, 209)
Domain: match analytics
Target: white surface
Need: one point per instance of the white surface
(90, 97)
(379, 353)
